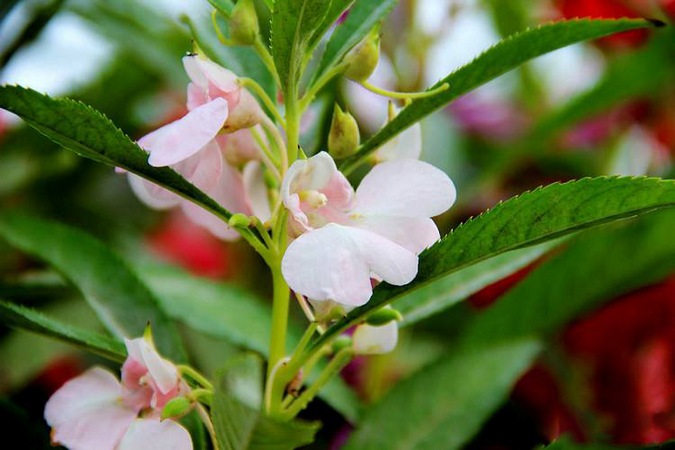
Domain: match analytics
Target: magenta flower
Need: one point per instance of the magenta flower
(96, 411)
(346, 237)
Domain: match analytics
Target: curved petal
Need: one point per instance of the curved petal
(308, 174)
(413, 233)
(162, 373)
(406, 145)
(253, 176)
(405, 187)
(203, 72)
(336, 263)
(151, 434)
(204, 168)
(151, 194)
(375, 340)
(87, 412)
(183, 138)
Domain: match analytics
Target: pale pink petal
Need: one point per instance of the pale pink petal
(151, 434)
(162, 373)
(204, 168)
(183, 138)
(406, 145)
(245, 113)
(308, 174)
(197, 96)
(375, 340)
(151, 194)
(210, 221)
(204, 72)
(405, 187)
(241, 147)
(253, 176)
(336, 263)
(413, 233)
(87, 412)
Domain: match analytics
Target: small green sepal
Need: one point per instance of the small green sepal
(244, 27)
(344, 137)
(383, 316)
(176, 408)
(361, 60)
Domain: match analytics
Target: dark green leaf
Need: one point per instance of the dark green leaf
(499, 59)
(363, 16)
(31, 320)
(122, 302)
(294, 22)
(598, 266)
(89, 133)
(531, 218)
(442, 406)
(238, 423)
(432, 298)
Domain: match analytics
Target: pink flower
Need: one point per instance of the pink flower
(195, 146)
(346, 237)
(96, 411)
(406, 144)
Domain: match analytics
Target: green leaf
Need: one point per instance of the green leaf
(294, 22)
(592, 269)
(363, 16)
(28, 319)
(499, 59)
(214, 308)
(596, 267)
(434, 297)
(89, 133)
(442, 406)
(238, 423)
(122, 302)
(224, 6)
(533, 217)
(337, 7)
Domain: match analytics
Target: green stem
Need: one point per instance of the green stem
(209, 425)
(204, 396)
(279, 142)
(336, 365)
(320, 83)
(260, 92)
(281, 300)
(196, 376)
(403, 95)
(292, 123)
(304, 340)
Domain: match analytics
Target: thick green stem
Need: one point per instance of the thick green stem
(280, 305)
(292, 124)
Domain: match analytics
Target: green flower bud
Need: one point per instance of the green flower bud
(244, 27)
(362, 59)
(239, 220)
(343, 138)
(383, 316)
(176, 407)
(341, 342)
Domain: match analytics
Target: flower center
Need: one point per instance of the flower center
(313, 198)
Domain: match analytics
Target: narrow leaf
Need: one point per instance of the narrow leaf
(362, 17)
(122, 302)
(89, 133)
(337, 7)
(533, 217)
(456, 393)
(499, 59)
(596, 267)
(293, 25)
(28, 319)
(418, 304)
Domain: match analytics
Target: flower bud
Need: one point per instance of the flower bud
(384, 316)
(370, 340)
(341, 342)
(362, 59)
(343, 138)
(176, 408)
(239, 220)
(244, 27)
